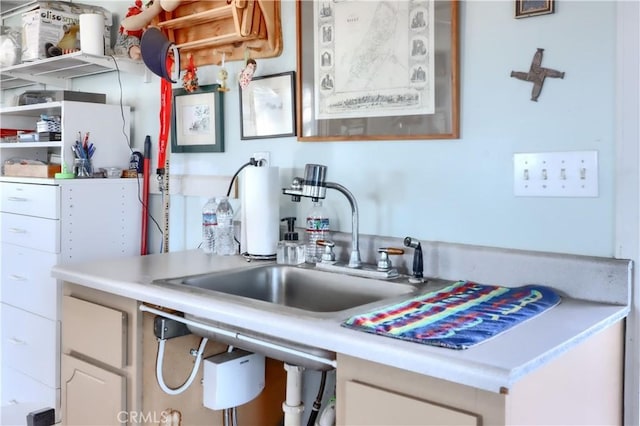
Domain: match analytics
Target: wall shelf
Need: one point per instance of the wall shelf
(28, 145)
(205, 30)
(112, 148)
(59, 71)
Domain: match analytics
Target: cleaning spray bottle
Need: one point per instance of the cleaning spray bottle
(290, 250)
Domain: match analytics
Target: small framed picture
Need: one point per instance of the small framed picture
(198, 120)
(527, 8)
(267, 107)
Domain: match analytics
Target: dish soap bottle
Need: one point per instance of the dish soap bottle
(209, 223)
(317, 229)
(290, 250)
(225, 238)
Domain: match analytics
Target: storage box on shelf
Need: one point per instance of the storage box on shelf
(49, 22)
(31, 170)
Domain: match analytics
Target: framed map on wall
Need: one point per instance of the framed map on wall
(377, 70)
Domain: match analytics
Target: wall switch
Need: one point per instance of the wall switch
(556, 174)
(263, 155)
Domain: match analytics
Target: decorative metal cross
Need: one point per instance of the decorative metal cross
(537, 74)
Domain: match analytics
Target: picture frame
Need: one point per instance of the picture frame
(267, 107)
(197, 120)
(527, 8)
(423, 103)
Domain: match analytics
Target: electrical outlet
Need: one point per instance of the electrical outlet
(556, 174)
(263, 155)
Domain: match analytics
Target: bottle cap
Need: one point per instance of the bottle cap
(290, 235)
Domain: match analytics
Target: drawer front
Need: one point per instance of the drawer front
(20, 389)
(32, 232)
(30, 345)
(95, 331)
(28, 287)
(30, 199)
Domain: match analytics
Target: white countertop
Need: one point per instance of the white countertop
(494, 364)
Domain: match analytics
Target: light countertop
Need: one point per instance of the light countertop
(492, 365)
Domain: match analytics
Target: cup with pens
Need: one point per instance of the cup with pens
(83, 151)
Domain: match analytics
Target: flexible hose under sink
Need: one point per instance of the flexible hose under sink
(194, 371)
(317, 403)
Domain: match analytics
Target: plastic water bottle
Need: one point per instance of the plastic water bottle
(209, 223)
(317, 229)
(225, 241)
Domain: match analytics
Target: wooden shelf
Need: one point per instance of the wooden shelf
(198, 18)
(204, 29)
(60, 70)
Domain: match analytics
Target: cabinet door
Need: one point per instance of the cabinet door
(95, 331)
(91, 395)
(367, 405)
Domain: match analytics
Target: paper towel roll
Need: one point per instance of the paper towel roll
(92, 33)
(261, 207)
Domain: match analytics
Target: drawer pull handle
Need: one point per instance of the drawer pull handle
(13, 402)
(18, 230)
(17, 341)
(17, 277)
(18, 199)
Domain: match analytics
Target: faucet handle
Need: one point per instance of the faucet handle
(327, 256)
(384, 264)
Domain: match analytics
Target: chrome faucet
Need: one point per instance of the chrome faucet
(314, 186)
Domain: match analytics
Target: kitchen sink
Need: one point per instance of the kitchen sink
(296, 287)
(296, 291)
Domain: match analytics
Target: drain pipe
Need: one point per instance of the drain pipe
(293, 406)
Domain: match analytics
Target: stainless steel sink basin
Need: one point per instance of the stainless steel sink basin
(297, 287)
(290, 290)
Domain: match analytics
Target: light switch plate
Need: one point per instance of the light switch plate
(556, 174)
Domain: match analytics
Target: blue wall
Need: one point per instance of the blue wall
(450, 190)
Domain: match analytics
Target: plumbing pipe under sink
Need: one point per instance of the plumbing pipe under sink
(240, 337)
(292, 407)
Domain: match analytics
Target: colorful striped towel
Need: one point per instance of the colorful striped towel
(458, 316)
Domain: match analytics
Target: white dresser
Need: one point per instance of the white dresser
(44, 222)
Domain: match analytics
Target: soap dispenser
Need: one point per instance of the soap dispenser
(290, 249)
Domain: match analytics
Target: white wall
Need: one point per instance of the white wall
(449, 190)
